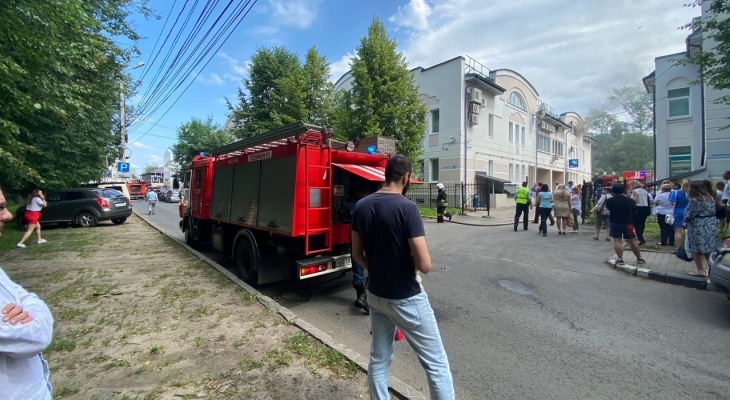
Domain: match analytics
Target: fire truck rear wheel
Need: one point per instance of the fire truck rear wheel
(189, 239)
(246, 262)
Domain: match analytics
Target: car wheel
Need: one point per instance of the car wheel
(22, 225)
(246, 262)
(86, 219)
(119, 221)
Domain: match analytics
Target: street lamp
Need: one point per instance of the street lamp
(121, 113)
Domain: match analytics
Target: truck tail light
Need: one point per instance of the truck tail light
(102, 202)
(313, 269)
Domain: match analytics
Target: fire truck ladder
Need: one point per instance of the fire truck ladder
(318, 219)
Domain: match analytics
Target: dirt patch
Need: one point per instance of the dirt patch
(138, 317)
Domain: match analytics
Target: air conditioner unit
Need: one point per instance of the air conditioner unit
(555, 157)
(475, 108)
(475, 95)
(473, 119)
(541, 111)
(484, 101)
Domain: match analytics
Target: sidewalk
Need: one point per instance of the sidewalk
(660, 266)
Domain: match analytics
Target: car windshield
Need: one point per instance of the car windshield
(111, 193)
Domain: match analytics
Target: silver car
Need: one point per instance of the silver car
(172, 196)
(720, 267)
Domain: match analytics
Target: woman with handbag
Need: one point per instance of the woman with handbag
(561, 201)
(664, 211)
(701, 224)
(602, 213)
(679, 201)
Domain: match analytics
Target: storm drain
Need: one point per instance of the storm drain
(293, 296)
(438, 266)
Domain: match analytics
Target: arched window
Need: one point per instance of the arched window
(516, 99)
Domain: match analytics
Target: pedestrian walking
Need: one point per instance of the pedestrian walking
(664, 208)
(441, 204)
(25, 331)
(151, 201)
(522, 206)
(602, 213)
(537, 202)
(622, 210)
(679, 202)
(388, 239)
(726, 200)
(33, 207)
(720, 211)
(358, 272)
(575, 209)
(561, 208)
(643, 208)
(545, 206)
(700, 224)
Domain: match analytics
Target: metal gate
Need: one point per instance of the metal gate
(469, 196)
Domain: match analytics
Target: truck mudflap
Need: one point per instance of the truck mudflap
(318, 266)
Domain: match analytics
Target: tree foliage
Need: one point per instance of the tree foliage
(623, 144)
(198, 136)
(59, 74)
(384, 96)
(279, 90)
(713, 62)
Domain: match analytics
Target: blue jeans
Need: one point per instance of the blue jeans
(416, 320)
(358, 273)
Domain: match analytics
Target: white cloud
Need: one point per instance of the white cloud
(239, 70)
(574, 53)
(298, 13)
(338, 68)
(140, 145)
(413, 15)
(153, 159)
(213, 79)
(266, 30)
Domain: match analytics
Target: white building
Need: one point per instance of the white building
(170, 169)
(688, 138)
(491, 125)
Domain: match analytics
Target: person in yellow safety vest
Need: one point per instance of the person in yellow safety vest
(441, 204)
(522, 199)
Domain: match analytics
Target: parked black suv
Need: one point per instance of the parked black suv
(82, 206)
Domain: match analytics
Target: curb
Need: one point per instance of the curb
(399, 388)
(469, 223)
(689, 281)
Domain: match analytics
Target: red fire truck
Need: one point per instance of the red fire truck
(137, 189)
(277, 203)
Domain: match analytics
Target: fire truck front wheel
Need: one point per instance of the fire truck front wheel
(246, 262)
(189, 238)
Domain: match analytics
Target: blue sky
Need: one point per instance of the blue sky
(574, 53)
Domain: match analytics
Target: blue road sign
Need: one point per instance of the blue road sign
(122, 167)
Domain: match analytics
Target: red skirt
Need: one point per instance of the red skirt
(32, 217)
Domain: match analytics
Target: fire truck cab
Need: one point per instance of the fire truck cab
(278, 204)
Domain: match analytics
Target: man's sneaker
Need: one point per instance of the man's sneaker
(620, 262)
(42, 241)
(21, 245)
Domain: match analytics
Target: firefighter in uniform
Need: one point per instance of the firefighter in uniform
(522, 200)
(441, 204)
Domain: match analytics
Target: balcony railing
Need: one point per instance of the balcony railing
(472, 66)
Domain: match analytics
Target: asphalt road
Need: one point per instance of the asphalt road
(530, 317)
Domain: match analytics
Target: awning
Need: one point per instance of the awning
(678, 177)
(376, 174)
(483, 174)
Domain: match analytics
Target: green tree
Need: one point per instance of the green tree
(317, 88)
(637, 104)
(713, 62)
(274, 94)
(198, 136)
(384, 97)
(634, 152)
(60, 67)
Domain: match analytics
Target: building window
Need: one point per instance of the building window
(511, 171)
(516, 99)
(434, 170)
(516, 134)
(680, 160)
(558, 148)
(435, 121)
(491, 125)
(678, 102)
(524, 175)
(543, 143)
(491, 168)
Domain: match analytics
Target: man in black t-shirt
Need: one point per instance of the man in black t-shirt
(388, 239)
(622, 210)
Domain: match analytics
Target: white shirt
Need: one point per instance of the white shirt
(23, 371)
(643, 196)
(663, 205)
(575, 202)
(726, 192)
(35, 205)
